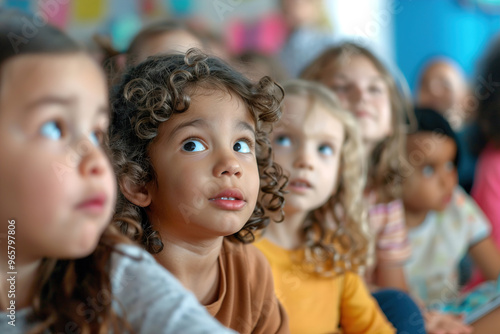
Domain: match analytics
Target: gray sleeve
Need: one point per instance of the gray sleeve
(154, 300)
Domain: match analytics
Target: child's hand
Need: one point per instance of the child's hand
(441, 323)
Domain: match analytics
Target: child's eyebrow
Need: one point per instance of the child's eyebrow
(62, 101)
(48, 100)
(193, 122)
(242, 125)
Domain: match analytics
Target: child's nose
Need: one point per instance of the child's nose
(356, 94)
(227, 165)
(449, 180)
(93, 161)
(303, 159)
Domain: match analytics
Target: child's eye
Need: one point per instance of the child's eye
(375, 89)
(51, 130)
(428, 171)
(325, 149)
(449, 166)
(339, 88)
(241, 146)
(193, 145)
(95, 137)
(283, 141)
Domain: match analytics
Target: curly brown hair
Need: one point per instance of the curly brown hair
(384, 174)
(161, 86)
(336, 234)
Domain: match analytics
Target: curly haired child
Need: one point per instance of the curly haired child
(195, 169)
(68, 269)
(322, 243)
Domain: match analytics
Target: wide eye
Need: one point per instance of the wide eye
(325, 149)
(51, 130)
(283, 141)
(449, 166)
(193, 145)
(95, 137)
(428, 171)
(241, 146)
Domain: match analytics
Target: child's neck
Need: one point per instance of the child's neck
(415, 218)
(24, 281)
(196, 265)
(288, 233)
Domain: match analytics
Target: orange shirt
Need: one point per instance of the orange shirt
(247, 302)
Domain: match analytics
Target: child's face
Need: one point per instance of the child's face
(307, 143)
(205, 163)
(434, 176)
(362, 90)
(442, 87)
(57, 182)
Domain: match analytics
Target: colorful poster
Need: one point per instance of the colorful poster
(180, 8)
(22, 5)
(57, 13)
(88, 10)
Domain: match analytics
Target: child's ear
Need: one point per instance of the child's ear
(138, 195)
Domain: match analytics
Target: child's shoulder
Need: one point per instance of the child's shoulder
(245, 254)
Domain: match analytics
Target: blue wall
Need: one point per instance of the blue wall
(457, 29)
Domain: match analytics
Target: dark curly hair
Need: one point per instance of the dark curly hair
(161, 86)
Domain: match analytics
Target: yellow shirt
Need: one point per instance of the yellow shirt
(319, 305)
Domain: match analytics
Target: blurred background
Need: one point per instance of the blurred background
(406, 34)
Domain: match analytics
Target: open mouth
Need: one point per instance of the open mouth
(230, 199)
(299, 185)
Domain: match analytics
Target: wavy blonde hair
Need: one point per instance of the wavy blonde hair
(336, 233)
(384, 167)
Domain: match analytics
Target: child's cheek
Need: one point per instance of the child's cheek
(45, 189)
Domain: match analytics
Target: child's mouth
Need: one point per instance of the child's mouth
(299, 185)
(94, 204)
(231, 200)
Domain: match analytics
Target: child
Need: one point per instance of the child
(444, 222)
(67, 269)
(190, 148)
(487, 177)
(443, 87)
(366, 88)
(161, 38)
(309, 33)
(314, 250)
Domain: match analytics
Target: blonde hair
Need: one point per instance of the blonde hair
(337, 232)
(384, 166)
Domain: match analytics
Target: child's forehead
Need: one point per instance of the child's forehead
(430, 144)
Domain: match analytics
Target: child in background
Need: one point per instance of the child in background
(75, 272)
(487, 178)
(317, 250)
(444, 222)
(309, 33)
(161, 38)
(190, 149)
(367, 89)
(443, 87)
